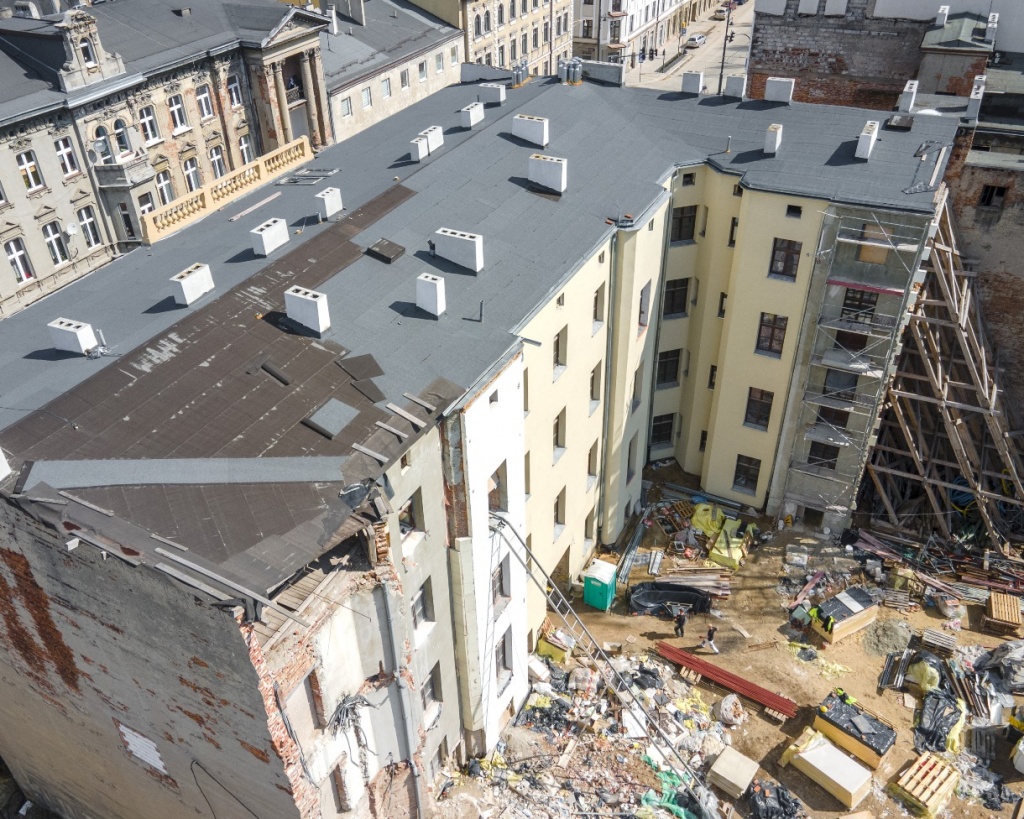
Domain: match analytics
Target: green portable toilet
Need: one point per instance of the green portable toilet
(599, 585)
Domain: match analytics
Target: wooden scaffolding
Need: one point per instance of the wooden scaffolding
(947, 455)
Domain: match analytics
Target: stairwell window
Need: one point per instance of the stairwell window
(676, 304)
(422, 607)
(30, 173)
(661, 429)
(771, 334)
(746, 475)
(684, 221)
(759, 408)
(785, 259)
(403, 78)
(439, 57)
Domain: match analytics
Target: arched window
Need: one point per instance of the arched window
(487, 21)
(102, 144)
(478, 26)
(121, 137)
(86, 49)
(501, 14)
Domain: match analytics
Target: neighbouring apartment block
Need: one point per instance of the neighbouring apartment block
(286, 551)
(618, 30)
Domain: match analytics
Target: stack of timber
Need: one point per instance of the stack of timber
(818, 759)
(1002, 615)
(713, 580)
(926, 785)
(938, 642)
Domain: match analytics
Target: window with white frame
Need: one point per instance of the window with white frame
(30, 174)
(121, 137)
(404, 78)
(385, 87)
(102, 144)
(164, 187)
(55, 242)
(66, 155)
(367, 97)
(455, 55)
(439, 63)
(203, 102)
(423, 70)
(3, 196)
(146, 204)
(177, 108)
(18, 258)
(87, 222)
(245, 146)
(87, 51)
(191, 169)
(217, 162)
(346, 107)
(234, 91)
(147, 121)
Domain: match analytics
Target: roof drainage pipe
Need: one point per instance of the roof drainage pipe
(411, 737)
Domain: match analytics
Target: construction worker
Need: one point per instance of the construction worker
(709, 641)
(680, 621)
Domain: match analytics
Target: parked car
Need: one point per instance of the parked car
(719, 14)
(696, 41)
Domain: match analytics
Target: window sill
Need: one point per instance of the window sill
(557, 533)
(668, 385)
(499, 605)
(671, 316)
(557, 454)
(756, 426)
(591, 480)
(503, 681)
(154, 142)
(682, 242)
(29, 280)
(35, 193)
(781, 278)
(184, 129)
(768, 353)
(596, 328)
(431, 715)
(421, 634)
(73, 177)
(559, 369)
(411, 540)
(206, 118)
(731, 244)
(593, 406)
(745, 490)
(661, 445)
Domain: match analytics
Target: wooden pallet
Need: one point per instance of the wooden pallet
(1003, 614)
(899, 600)
(926, 785)
(938, 642)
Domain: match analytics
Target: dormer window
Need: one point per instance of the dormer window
(87, 51)
(121, 137)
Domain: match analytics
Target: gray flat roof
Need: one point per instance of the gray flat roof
(964, 31)
(188, 383)
(394, 31)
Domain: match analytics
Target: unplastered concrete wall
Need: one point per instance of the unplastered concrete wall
(88, 645)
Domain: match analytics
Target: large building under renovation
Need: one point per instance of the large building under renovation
(267, 543)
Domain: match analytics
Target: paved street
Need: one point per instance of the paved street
(707, 58)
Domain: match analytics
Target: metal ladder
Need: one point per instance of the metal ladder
(623, 687)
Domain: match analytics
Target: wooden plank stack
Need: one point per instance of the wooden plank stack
(938, 642)
(926, 785)
(1002, 615)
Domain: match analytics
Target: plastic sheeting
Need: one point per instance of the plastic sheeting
(708, 519)
(940, 723)
(773, 801)
(925, 669)
(656, 598)
(1008, 659)
(845, 715)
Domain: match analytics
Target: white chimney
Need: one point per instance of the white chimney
(736, 85)
(329, 204)
(492, 92)
(332, 13)
(942, 16)
(419, 151)
(72, 336)
(866, 140)
(908, 96)
(779, 89)
(192, 283)
(977, 93)
(531, 129)
(693, 81)
(269, 236)
(465, 249)
(549, 172)
(5, 468)
(773, 139)
(308, 308)
(990, 29)
(434, 136)
(430, 294)
(472, 114)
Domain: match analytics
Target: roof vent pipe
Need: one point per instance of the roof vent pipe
(977, 93)
(990, 29)
(866, 140)
(332, 14)
(942, 16)
(430, 294)
(779, 89)
(773, 139)
(908, 97)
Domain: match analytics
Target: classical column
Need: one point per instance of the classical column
(312, 100)
(317, 69)
(282, 104)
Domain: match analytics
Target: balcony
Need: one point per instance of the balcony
(295, 93)
(128, 172)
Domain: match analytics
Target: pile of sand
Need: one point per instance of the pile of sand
(886, 636)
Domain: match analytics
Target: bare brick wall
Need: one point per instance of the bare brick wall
(851, 60)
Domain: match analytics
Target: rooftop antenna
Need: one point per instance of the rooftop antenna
(101, 349)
